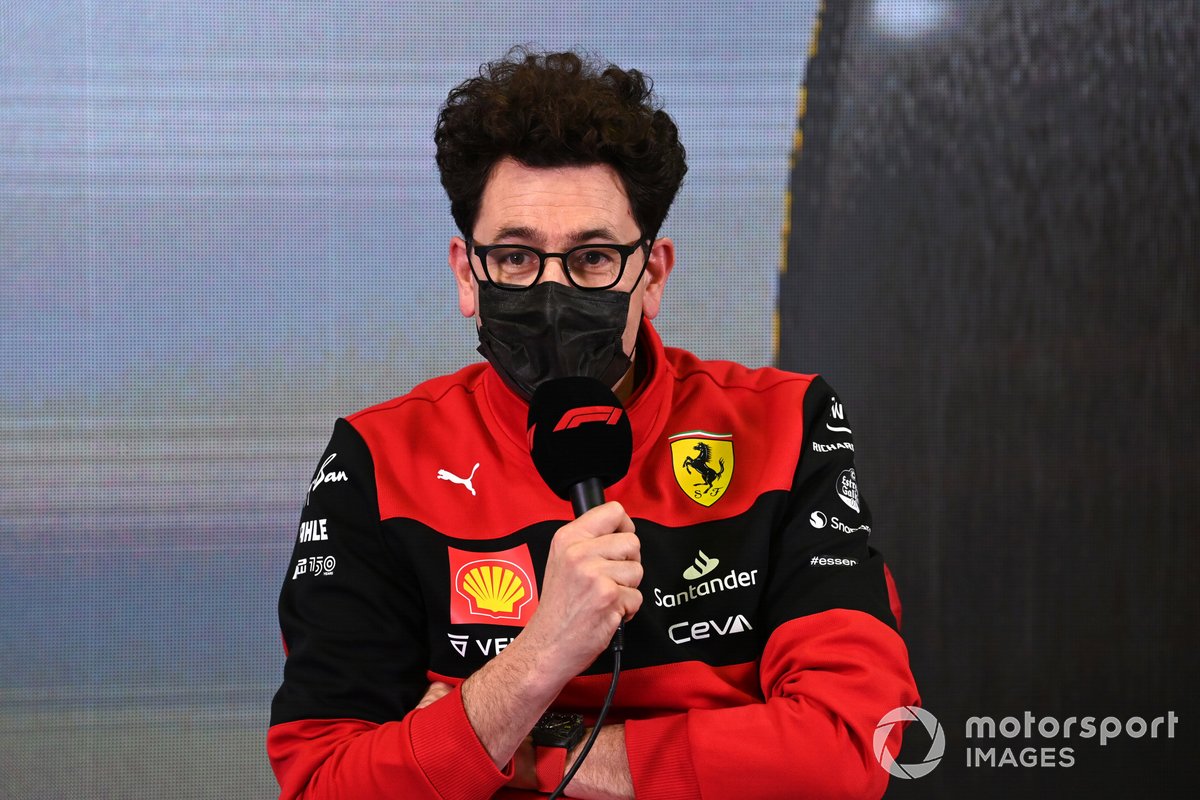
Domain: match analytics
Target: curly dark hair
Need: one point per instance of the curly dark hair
(554, 110)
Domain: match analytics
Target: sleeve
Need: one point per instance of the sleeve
(832, 666)
(353, 625)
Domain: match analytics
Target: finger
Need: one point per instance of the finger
(603, 519)
(622, 546)
(436, 691)
(624, 573)
(631, 602)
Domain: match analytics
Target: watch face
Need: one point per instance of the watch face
(557, 722)
(556, 729)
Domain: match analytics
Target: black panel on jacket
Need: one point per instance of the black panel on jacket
(351, 616)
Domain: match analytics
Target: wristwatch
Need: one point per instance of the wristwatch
(553, 736)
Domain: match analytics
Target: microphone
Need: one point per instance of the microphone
(580, 439)
(581, 443)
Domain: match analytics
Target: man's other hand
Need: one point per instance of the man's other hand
(436, 691)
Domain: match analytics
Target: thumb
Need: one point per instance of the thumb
(604, 519)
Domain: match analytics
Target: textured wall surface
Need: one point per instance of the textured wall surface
(995, 257)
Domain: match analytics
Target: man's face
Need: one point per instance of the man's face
(557, 208)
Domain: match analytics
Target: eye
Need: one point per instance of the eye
(595, 259)
(512, 260)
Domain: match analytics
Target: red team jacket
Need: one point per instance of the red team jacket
(766, 649)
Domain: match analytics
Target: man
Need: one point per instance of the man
(440, 599)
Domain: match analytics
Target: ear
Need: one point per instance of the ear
(463, 277)
(662, 261)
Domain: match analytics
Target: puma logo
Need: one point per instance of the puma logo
(446, 475)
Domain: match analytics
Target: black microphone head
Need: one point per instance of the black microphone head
(578, 430)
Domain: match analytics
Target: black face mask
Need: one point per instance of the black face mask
(553, 331)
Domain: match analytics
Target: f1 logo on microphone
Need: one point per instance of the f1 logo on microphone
(575, 417)
(579, 416)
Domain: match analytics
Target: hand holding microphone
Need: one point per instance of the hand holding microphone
(590, 586)
(581, 443)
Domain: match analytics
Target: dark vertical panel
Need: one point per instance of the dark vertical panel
(996, 264)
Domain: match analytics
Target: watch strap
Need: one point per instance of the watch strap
(550, 764)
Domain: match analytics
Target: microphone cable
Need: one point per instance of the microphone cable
(618, 644)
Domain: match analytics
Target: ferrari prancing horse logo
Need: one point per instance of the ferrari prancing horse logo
(703, 464)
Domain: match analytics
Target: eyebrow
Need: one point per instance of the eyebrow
(527, 233)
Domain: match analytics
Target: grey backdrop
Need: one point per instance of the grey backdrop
(220, 227)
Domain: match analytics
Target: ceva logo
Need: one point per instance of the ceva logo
(937, 744)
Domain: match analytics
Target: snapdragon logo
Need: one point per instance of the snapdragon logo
(937, 743)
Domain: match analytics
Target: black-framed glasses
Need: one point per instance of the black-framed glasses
(590, 267)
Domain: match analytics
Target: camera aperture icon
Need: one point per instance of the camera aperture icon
(937, 744)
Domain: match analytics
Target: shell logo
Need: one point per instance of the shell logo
(495, 588)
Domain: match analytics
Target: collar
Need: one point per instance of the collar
(506, 411)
